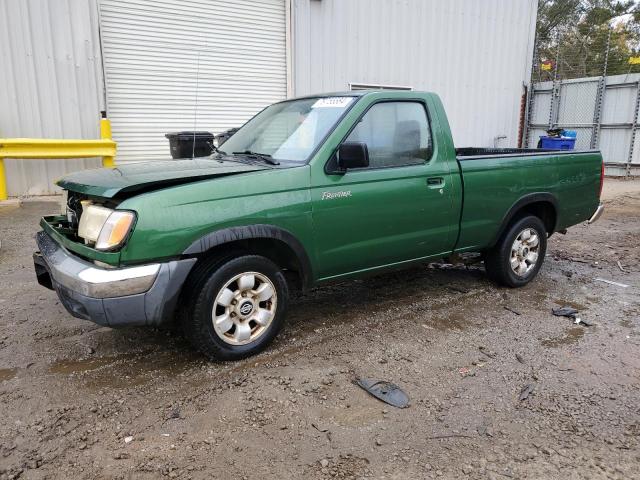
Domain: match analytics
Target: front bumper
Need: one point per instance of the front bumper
(131, 296)
(597, 214)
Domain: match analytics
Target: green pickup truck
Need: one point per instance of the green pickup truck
(310, 190)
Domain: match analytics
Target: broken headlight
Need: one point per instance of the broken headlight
(103, 227)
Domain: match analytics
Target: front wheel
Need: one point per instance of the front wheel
(238, 306)
(517, 257)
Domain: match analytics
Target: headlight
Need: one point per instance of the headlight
(104, 227)
(115, 230)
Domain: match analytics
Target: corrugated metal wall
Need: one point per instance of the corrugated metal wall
(475, 54)
(51, 77)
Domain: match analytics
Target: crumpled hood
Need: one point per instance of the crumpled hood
(131, 178)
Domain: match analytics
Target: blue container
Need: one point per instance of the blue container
(557, 143)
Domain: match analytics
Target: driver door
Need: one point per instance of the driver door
(395, 210)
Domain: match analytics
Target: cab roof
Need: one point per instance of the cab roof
(359, 93)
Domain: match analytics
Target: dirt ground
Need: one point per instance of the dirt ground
(82, 401)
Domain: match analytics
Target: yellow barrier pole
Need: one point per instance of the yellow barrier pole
(3, 181)
(105, 134)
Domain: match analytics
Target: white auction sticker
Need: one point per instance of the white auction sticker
(335, 102)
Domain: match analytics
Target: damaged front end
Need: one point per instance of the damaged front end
(78, 256)
(81, 250)
(130, 296)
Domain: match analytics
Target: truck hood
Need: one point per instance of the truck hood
(128, 179)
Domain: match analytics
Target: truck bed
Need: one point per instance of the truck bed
(499, 152)
(495, 179)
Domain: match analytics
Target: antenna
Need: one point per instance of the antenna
(195, 109)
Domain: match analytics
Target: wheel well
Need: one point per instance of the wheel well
(275, 250)
(544, 210)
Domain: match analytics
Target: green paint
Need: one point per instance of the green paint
(361, 221)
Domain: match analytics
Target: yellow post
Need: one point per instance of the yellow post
(3, 181)
(105, 134)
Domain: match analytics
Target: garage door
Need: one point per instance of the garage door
(185, 65)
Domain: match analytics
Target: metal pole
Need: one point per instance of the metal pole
(105, 134)
(3, 181)
(195, 108)
(554, 108)
(531, 95)
(634, 129)
(602, 85)
(606, 53)
(597, 113)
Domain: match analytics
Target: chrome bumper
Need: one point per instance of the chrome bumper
(597, 214)
(86, 279)
(133, 296)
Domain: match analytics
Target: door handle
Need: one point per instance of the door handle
(435, 182)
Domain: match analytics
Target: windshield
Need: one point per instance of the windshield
(289, 131)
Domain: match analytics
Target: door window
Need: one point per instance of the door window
(396, 134)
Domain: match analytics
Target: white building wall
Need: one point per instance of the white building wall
(475, 54)
(51, 77)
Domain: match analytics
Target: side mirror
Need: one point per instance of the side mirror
(353, 155)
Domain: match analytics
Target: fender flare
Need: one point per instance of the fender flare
(258, 231)
(521, 203)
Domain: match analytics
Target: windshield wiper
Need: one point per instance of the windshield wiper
(265, 157)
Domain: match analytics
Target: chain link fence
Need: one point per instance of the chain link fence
(594, 92)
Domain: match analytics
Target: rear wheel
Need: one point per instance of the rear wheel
(517, 257)
(237, 307)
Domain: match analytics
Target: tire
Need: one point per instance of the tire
(229, 316)
(500, 261)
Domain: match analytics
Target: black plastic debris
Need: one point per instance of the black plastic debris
(385, 391)
(572, 313)
(569, 312)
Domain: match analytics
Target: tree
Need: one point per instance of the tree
(575, 38)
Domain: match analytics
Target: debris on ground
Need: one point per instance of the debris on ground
(526, 391)
(582, 321)
(173, 414)
(520, 358)
(611, 282)
(621, 267)
(485, 430)
(321, 429)
(386, 391)
(571, 313)
(487, 352)
(512, 310)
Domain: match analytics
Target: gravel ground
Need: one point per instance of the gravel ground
(82, 401)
